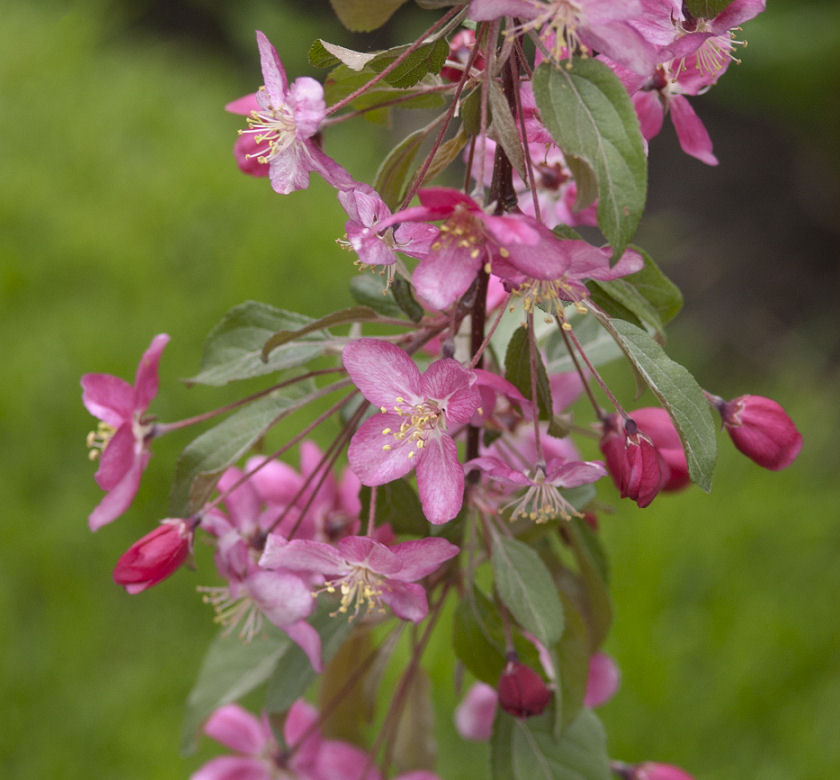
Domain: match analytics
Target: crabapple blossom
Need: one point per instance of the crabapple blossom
(283, 126)
(475, 714)
(154, 557)
(602, 680)
(656, 424)
(654, 771)
(124, 432)
(761, 429)
(522, 692)
(634, 463)
(413, 429)
(366, 572)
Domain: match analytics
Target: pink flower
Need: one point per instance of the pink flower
(373, 245)
(634, 463)
(602, 681)
(283, 126)
(124, 433)
(469, 239)
(309, 756)
(652, 771)
(475, 714)
(522, 692)
(761, 429)
(460, 49)
(542, 500)
(656, 424)
(367, 573)
(417, 413)
(154, 557)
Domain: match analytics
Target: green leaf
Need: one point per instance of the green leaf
(397, 504)
(233, 349)
(505, 131)
(444, 155)
(599, 345)
(590, 116)
(428, 58)
(323, 54)
(525, 586)
(396, 168)
(370, 290)
(648, 295)
(405, 299)
(293, 673)
(528, 749)
(478, 638)
(343, 317)
(678, 392)
(571, 655)
(593, 600)
(518, 371)
(202, 462)
(706, 9)
(364, 15)
(230, 669)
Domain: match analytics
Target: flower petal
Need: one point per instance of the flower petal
(117, 458)
(440, 480)
(237, 729)
(273, 73)
(445, 274)
(420, 557)
(119, 498)
(382, 372)
(302, 555)
(308, 640)
(692, 134)
(283, 597)
(372, 464)
(407, 600)
(108, 397)
(146, 378)
(233, 768)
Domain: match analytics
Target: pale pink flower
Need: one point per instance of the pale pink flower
(284, 125)
(154, 557)
(413, 429)
(124, 432)
(602, 680)
(365, 572)
(653, 771)
(309, 757)
(475, 714)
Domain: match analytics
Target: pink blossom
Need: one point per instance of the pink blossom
(367, 573)
(283, 125)
(413, 428)
(656, 424)
(542, 500)
(522, 692)
(379, 247)
(154, 557)
(309, 755)
(475, 714)
(761, 429)
(124, 432)
(634, 463)
(460, 49)
(602, 681)
(653, 771)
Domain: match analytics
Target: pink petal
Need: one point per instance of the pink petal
(233, 768)
(243, 503)
(576, 473)
(475, 714)
(244, 105)
(602, 682)
(306, 97)
(497, 469)
(513, 230)
(276, 482)
(146, 379)
(119, 498)
(301, 720)
(329, 169)
(443, 200)
(273, 73)
(308, 640)
(364, 551)
(372, 464)
(302, 555)
(117, 458)
(693, 137)
(445, 274)
(440, 480)
(343, 761)
(650, 112)
(420, 557)
(108, 398)
(407, 600)
(486, 10)
(246, 152)
(382, 372)
(448, 382)
(237, 729)
(283, 597)
(736, 14)
(289, 170)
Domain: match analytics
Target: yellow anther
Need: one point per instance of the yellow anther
(411, 455)
(567, 326)
(475, 253)
(386, 431)
(386, 447)
(382, 409)
(503, 252)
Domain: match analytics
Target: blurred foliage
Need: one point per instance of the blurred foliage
(123, 215)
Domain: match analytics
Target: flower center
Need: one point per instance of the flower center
(275, 127)
(232, 610)
(422, 420)
(550, 295)
(542, 502)
(461, 230)
(558, 22)
(98, 440)
(360, 589)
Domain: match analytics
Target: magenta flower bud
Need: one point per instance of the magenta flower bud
(522, 692)
(460, 48)
(762, 430)
(651, 771)
(154, 557)
(634, 463)
(657, 425)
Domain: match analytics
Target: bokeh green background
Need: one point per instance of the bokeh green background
(122, 215)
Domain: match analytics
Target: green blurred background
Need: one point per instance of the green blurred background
(122, 215)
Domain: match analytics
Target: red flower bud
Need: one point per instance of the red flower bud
(634, 463)
(657, 425)
(154, 557)
(460, 48)
(522, 692)
(651, 771)
(762, 430)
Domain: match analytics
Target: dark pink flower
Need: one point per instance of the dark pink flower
(602, 681)
(310, 756)
(656, 424)
(283, 126)
(413, 428)
(475, 714)
(124, 432)
(522, 692)
(154, 557)
(762, 430)
(653, 771)
(365, 572)
(634, 463)
(460, 49)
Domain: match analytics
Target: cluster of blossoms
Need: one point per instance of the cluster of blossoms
(487, 295)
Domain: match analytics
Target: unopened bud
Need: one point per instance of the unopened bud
(762, 430)
(652, 771)
(154, 557)
(656, 424)
(634, 463)
(522, 692)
